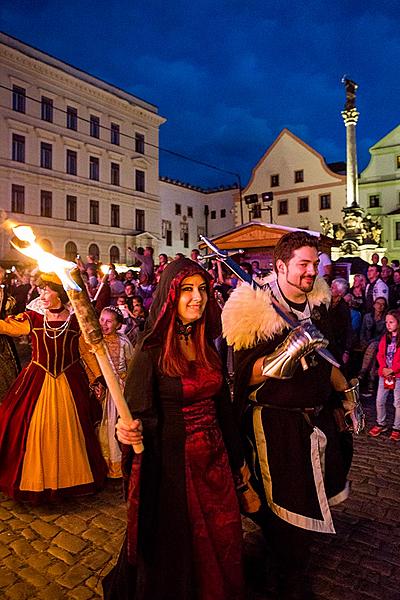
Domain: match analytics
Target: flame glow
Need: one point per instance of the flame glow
(105, 269)
(47, 262)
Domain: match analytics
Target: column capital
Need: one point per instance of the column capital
(350, 116)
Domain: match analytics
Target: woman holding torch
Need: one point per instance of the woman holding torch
(48, 445)
(184, 534)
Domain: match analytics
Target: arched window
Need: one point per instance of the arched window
(71, 251)
(114, 254)
(94, 251)
(46, 245)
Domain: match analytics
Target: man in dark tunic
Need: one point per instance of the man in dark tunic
(286, 396)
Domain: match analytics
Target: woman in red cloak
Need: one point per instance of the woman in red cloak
(184, 537)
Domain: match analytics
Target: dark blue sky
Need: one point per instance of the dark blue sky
(230, 75)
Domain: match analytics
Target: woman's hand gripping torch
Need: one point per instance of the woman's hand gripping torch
(69, 274)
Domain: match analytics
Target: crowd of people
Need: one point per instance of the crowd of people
(214, 446)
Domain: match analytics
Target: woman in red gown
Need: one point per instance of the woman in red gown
(48, 445)
(184, 537)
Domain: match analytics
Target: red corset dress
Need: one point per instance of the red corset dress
(212, 503)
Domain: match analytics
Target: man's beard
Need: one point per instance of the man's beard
(302, 286)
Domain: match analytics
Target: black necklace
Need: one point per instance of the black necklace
(183, 330)
(56, 310)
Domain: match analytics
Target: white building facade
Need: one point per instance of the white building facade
(78, 158)
(305, 190)
(379, 189)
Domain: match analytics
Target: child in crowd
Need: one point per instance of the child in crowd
(120, 350)
(389, 376)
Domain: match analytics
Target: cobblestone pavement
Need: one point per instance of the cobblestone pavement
(62, 551)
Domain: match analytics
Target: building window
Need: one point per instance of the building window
(324, 201)
(114, 254)
(46, 201)
(299, 176)
(94, 212)
(94, 251)
(256, 211)
(178, 209)
(185, 234)
(168, 237)
(139, 143)
(274, 180)
(46, 155)
(283, 207)
(72, 162)
(114, 215)
(200, 231)
(18, 147)
(71, 250)
(139, 220)
(17, 199)
(398, 161)
(47, 109)
(303, 204)
(72, 204)
(397, 224)
(19, 99)
(139, 181)
(72, 118)
(213, 214)
(374, 201)
(94, 168)
(166, 232)
(94, 126)
(115, 134)
(190, 212)
(114, 173)
(223, 213)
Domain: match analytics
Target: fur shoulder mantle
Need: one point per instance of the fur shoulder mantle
(248, 316)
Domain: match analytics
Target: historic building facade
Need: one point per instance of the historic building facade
(78, 158)
(306, 191)
(379, 189)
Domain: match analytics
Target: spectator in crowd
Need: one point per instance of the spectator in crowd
(9, 361)
(374, 259)
(384, 261)
(129, 277)
(395, 264)
(324, 266)
(195, 255)
(372, 329)
(162, 263)
(145, 257)
(376, 288)
(179, 255)
(394, 292)
(389, 377)
(340, 319)
(130, 293)
(387, 275)
(358, 292)
(120, 351)
(255, 266)
(117, 288)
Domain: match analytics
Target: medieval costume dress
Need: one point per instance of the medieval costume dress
(9, 361)
(298, 457)
(120, 351)
(184, 536)
(48, 445)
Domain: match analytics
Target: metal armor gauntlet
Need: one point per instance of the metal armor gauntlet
(354, 414)
(302, 340)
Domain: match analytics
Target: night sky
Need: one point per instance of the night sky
(230, 75)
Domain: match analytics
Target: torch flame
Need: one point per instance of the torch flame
(47, 262)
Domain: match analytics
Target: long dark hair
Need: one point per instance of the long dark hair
(161, 326)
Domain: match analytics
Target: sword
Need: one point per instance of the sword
(226, 257)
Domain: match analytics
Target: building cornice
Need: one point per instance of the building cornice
(90, 88)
